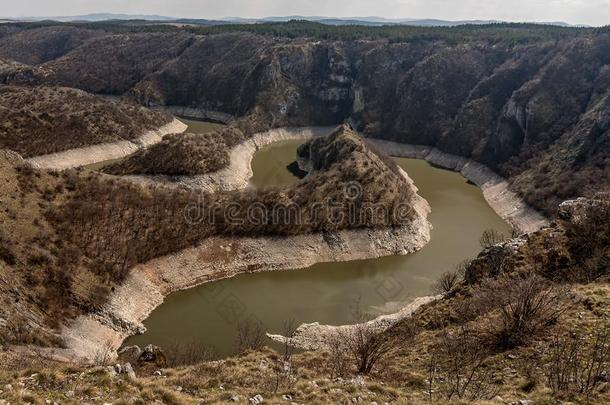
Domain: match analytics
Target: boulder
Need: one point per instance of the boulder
(152, 355)
(257, 399)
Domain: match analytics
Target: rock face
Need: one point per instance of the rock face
(573, 248)
(531, 110)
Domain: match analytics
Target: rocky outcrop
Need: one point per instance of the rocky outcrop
(314, 336)
(106, 151)
(15, 72)
(199, 114)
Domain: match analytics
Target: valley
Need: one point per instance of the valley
(411, 214)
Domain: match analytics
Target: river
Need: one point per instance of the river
(327, 292)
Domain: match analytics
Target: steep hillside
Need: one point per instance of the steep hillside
(114, 64)
(511, 327)
(509, 96)
(191, 154)
(43, 120)
(37, 46)
(44, 279)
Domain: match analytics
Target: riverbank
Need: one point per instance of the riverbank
(107, 151)
(239, 171)
(314, 336)
(505, 202)
(218, 258)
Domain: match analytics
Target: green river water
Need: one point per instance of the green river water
(326, 292)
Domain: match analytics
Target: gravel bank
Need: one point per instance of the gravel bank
(106, 151)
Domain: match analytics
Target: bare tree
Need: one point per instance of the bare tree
(283, 367)
(457, 367)
(368, 346)
(250, 336)
(576, 364)
(365, 342)
(491, 237)
(338, 360)
(186, 353)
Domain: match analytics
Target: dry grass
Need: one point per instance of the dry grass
(514, 375)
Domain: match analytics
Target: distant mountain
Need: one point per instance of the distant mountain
(102, 17)
(367, 21)
(379, 21)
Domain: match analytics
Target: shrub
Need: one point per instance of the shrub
(338, 361)
(491, 237)
(365, 342)
(526, 307)
(446, 282)
(179, 353)
(250, 336)
(6, 252)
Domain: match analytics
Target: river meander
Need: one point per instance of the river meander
(326, 292)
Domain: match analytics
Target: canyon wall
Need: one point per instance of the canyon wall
(532, 108)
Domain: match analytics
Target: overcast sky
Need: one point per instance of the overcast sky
(592, 12)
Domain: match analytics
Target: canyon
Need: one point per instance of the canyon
(101, 181)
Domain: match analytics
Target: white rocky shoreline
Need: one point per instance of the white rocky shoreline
(316, 336)
(239, 171)
(505, 202)
(219, 258)
(106, 151)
